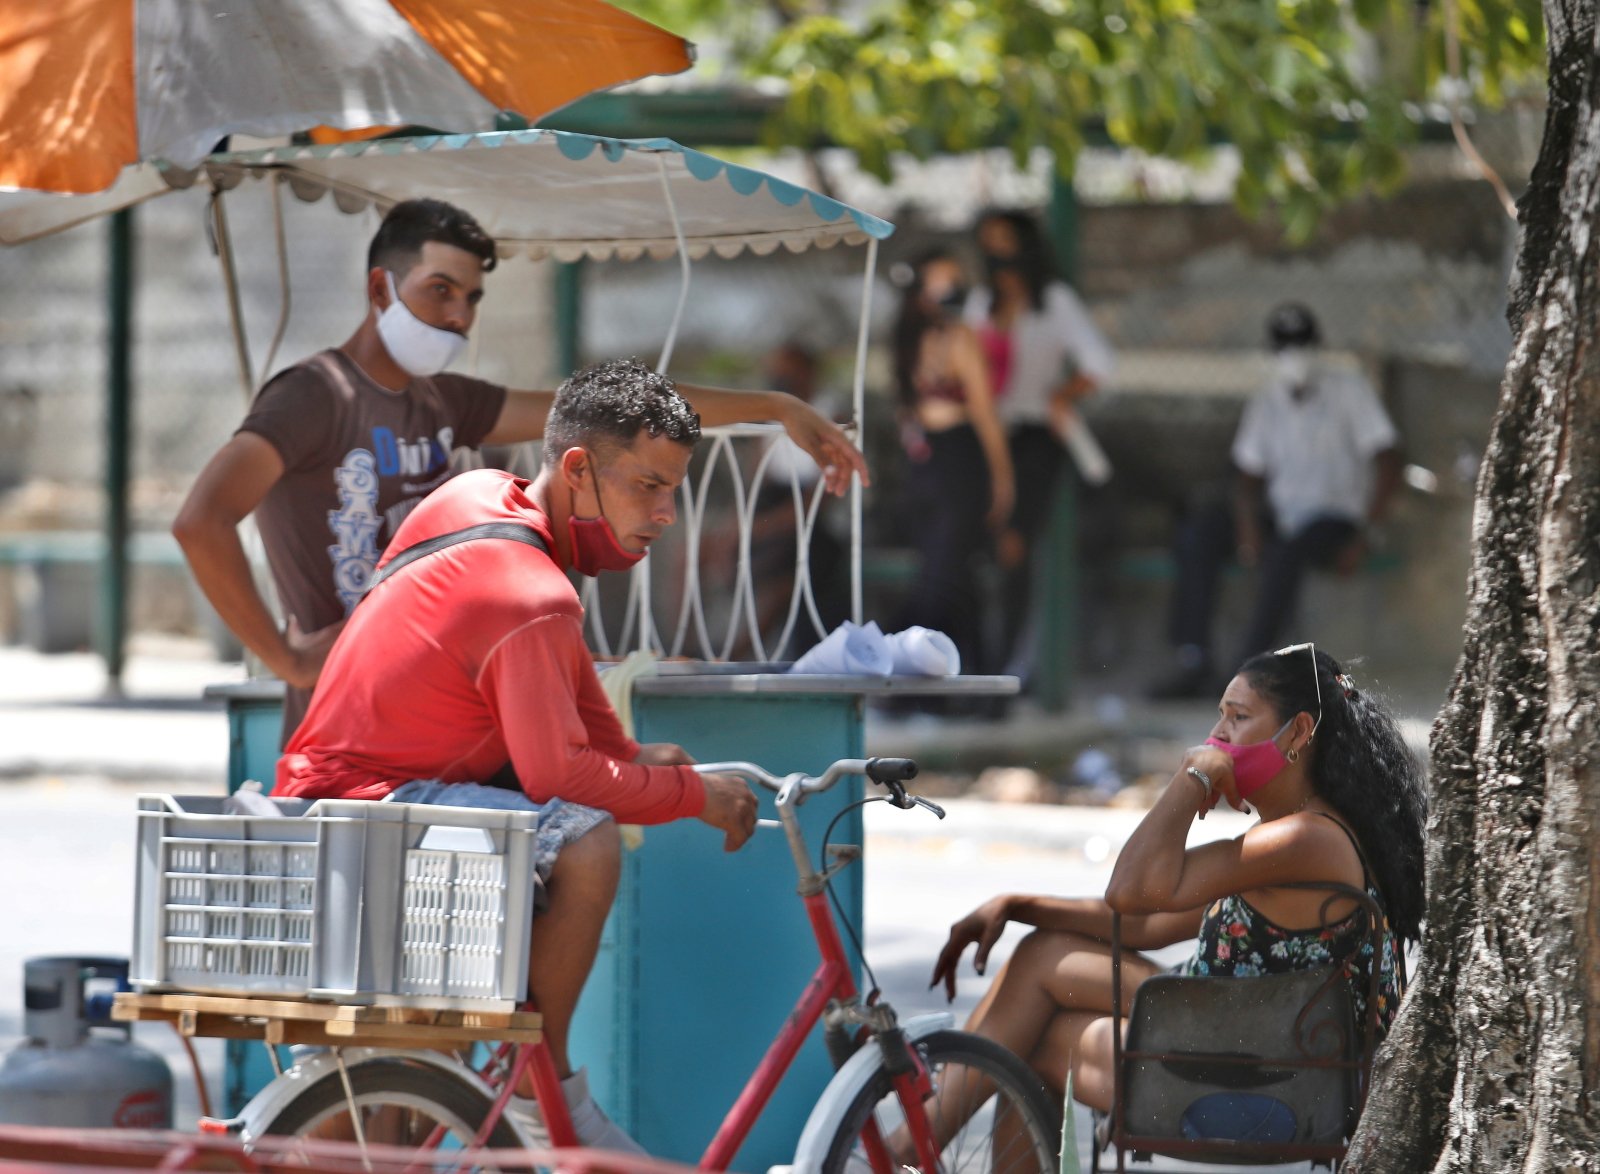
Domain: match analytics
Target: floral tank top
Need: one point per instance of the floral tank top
(1237, 940)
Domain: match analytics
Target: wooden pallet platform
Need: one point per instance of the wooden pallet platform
(298, 1021)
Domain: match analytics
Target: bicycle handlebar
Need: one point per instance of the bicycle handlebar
(887, 772)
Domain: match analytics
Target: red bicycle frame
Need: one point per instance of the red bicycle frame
(831, 983)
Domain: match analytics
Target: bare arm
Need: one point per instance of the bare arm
(207, 528)
(974, 375)
(1089, 916)
(1387, 470)
(1079, 387)
(1156, 873)
(524, 413)
(522, 417)
(1248, 490)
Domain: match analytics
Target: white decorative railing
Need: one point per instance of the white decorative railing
(691, 634)
(674, 603)
(679, 581)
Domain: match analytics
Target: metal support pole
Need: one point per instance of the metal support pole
(568, 325)
(1064, 228)
(113, 593)
(222, 241)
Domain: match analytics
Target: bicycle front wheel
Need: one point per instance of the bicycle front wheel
(988, 1110)
(398, 1101)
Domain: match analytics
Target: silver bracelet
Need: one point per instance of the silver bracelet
(1205, 779)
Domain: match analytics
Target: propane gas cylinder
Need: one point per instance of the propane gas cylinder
(77, 1067)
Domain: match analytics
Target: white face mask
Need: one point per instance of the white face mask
(419, 348)
(1293, 365)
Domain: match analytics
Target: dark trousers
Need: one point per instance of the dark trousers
(1037, 459)
(1206, 542)
(949, 496)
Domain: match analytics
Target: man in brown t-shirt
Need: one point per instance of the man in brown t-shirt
(337, 449)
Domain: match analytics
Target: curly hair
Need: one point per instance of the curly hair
(1361, 766)
(604, 407)
(410, 224)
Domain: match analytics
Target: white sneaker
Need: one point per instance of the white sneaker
(589, 1120)
(523, 1112)
(593, 1127)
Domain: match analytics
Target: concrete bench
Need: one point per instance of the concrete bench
(1347, 614)
(53, 576)
(1157, 565)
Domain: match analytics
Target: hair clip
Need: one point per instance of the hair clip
(1346, 684)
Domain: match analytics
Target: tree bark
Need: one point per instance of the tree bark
(1494, 1061)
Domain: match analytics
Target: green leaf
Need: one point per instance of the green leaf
(1315, 118)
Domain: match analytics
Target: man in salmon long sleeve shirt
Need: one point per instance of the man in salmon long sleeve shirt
(472, 657)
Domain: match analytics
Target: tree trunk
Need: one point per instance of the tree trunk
(1494, 1062)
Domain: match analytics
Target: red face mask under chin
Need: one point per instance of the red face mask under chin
(594, 543)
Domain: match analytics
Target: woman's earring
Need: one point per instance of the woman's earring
(1292, 754)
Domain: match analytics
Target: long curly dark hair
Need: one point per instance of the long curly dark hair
(913, 322)
(1361, 766)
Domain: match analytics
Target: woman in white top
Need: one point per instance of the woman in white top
(1044, 355)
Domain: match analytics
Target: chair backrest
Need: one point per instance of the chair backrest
(1269, 1068)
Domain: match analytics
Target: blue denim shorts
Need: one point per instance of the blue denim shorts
(560, 823)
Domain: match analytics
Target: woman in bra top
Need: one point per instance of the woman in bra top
(960, 482)
(1340, 799)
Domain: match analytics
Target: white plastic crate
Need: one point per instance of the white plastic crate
(341, 899)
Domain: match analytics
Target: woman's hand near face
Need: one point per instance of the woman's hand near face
(983, 927)
(1217, 766)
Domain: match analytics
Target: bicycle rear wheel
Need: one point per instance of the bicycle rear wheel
(990, 1112)
(399, 1102)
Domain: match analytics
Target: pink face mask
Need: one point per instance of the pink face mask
(1255, 765)
(594, 543)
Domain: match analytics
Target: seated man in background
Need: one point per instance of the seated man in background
(471, 654)
(1317, 466)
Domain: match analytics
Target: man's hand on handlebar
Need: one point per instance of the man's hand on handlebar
(730, 808)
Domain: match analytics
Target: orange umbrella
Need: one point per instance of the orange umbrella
(88, 87)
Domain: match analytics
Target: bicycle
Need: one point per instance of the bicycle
(904, 1095)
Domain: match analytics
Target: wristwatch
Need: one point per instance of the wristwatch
(1205, 779)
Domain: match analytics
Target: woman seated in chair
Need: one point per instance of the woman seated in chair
(1340, 799)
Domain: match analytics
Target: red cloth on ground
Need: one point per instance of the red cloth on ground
(471, 657)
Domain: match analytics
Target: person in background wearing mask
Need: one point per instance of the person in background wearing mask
(961, 490)
(1317, 466)
(1044, 356)
(337, 449)
(470, 653)
(1340, 799)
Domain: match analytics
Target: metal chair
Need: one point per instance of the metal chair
(1257, 1070)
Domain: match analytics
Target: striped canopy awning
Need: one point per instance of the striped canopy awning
(540, 193)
